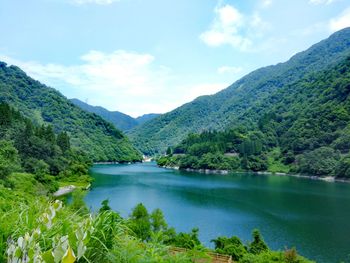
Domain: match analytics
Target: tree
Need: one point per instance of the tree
(158, 222)
(343, 167)
(105, 206)
(63, 141)
(258, 245)
(9, 159)
(37, 167)
(140, 222)
(187, 240)
(321, 161)
(230, 246)
(169, 151)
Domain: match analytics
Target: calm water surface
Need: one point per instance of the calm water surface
(313, 216)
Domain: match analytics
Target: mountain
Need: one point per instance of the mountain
(304, 128)
(232, 106)
(146, 117)
(44, 105)
(120, 120)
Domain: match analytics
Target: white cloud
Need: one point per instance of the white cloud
(99, 2)
(232, 27)
(122, 80)
(340, 22)
(203, 89)
(229, 70)
(266, 3)
(321, 2)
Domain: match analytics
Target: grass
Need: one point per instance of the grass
(274, 162)
(94, 238)
(56, 231)
(81, 182)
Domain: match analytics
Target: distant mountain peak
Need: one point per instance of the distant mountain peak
(118, 119)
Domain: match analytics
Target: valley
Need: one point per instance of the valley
(288, 118)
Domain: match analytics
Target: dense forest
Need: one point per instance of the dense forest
(303, 128)
(247, 100)
(44, 105)
(25, 147)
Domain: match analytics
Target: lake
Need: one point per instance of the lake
(311, 215)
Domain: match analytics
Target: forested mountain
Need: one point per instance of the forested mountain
(146, 117)
(304, 127)
(120, 120)
(245, 101)
(44, 105)
(25, 147)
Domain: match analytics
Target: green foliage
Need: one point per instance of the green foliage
(321, 161)
(258, 245)
(63, 141)
(230, 246)
(343, 167)
(78, 204)
(34, 227)
(119, 120)
(277, 162)
(158, 222)
(140, 222)
(186, 240)
(274, 256)
(9, 159)
(43, 105)
(256, 251)
(105, 206)
(37, 150)
(302, 128)
(307, 96)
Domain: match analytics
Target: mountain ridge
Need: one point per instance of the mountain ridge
(45, 105)
(227, 107)
(120, 120)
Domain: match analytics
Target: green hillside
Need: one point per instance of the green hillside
(301, 128)
(44, 105)
(244, 101)
(120, 120)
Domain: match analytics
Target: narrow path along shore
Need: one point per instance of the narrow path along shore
(64, 190)
(329, 179)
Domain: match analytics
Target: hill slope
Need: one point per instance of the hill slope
(146, 117)
(229, 107)
(302, 128)
(120, 120)
(44, 105)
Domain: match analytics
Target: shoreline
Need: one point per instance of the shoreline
(115, 162)
(64, 190)
(328, 179)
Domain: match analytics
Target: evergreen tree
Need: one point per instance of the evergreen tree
(63, 141)
(9, 159)
(140, 222)
(257, 245)
(158, 222)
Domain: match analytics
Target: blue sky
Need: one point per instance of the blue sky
(142, 56)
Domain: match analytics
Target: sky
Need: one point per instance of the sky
(143, 56)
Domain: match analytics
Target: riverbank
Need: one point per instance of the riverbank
(115, 162)
(329, 179)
